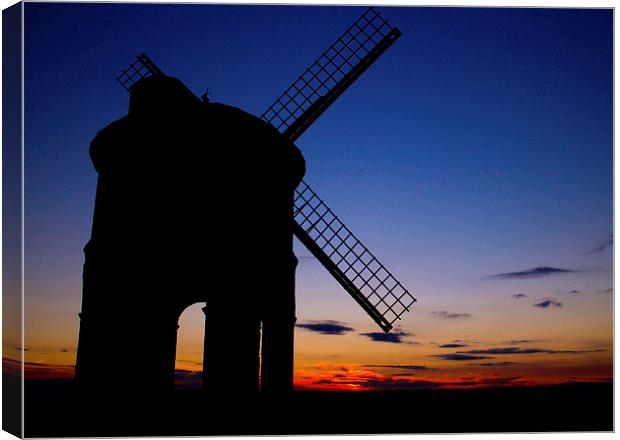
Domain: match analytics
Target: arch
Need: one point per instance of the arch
(190, 347)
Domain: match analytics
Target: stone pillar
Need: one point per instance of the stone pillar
(231, 349)
(277, 351)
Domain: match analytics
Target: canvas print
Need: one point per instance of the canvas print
(228, 217)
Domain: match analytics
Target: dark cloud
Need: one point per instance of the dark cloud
(521, 341)
(187, 374)
(602, 245)
(403, 383)
(453, 345)
(403, 367)
(446, 315)
(38, 370)
(18, 348)
(547, 303)
(498, 381)
(520, 350)
(569, 292)
(394, 337)
(519, 295)
(64, 350)
(187, 379)
(532, 273)
(495, 364)
(326, 327)
(460, 357)
(590, 379)
(610, 290)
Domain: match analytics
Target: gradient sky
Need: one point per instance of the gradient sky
(480, 144)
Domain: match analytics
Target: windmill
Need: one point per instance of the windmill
(316, 226)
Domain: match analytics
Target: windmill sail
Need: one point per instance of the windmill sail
(141, 68)
(331, 74)
(357, 270)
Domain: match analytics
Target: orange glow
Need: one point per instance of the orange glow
(36, 370)
(358, 378)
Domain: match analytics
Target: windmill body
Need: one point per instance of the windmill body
(178, 181)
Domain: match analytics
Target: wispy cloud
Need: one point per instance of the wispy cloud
(187, 374)
(602, 245)
(187, 378)
(328, 327)
(520, 350)
(532, 273)
(390, 383)
(521, 341)
(453, 345)
(393, 337)
(519, 295)
(460, 357)
(446, 315)
(495, 364)
(403, 367)
(610, 290)
(544, 304)
(363, 378)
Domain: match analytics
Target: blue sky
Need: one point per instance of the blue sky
(479, 144)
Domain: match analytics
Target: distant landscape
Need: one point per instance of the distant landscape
(55, 409)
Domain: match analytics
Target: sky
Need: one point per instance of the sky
(474, 159)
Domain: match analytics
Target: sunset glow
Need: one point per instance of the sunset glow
(474, 158)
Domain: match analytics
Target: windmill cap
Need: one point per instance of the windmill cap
(161, 95)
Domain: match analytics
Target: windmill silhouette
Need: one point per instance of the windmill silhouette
(137, 276)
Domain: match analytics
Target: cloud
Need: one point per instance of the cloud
(569, 292)
(43, 370)
(453, 345)
(446, 315)
(602, 245)
(590, 379)
(403, 367)
(520, 350)
(532, 273)
(64, 350)
(466, 341)
(326, 327)
(394, 337)
(181, 374)
(521, 341)
(460, 357)
(361, 378)
(390, 383)
(610, 290)
(495, 364)
(187, 379)
(547, 303)
(519, 295)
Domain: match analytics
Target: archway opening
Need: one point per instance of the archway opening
(190, 348)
